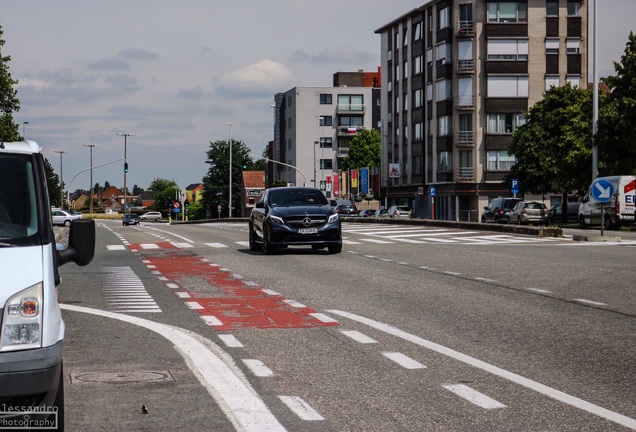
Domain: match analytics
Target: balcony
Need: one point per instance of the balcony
(349, 130)
(465, 139)
(465, 29)
(465, 174)
(351, 108)
(466, 102)
(466, 65)
(342, 152)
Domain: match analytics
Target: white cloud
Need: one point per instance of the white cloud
(263, 78)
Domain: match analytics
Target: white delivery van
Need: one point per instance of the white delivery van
(31, 326)
(619, 210)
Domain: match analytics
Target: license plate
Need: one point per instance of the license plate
(307, 230)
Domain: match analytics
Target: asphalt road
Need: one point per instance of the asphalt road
(408, 329)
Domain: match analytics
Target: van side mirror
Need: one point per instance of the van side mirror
(81, 243)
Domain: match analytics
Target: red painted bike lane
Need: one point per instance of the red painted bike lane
(224, 299)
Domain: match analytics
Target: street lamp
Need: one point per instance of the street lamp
(61, 152)
(315, 143)
(24, 130)
(230, 205)
(90, 146)
(125, 135)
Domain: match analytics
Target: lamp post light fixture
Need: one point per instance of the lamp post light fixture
(90, 146)
(61, 152)
(125, 135)
(24, 130)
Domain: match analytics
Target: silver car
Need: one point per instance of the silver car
(62, 217)
(529, 212)
(151, 216)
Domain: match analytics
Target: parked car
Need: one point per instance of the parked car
(555, 215)
(398, 211)
(151, 216)
(347, 210)
(498, 210)
(381, 212)
(529, 212)
(366, 213)
(62, 217)
(292, 216)
(130, 219)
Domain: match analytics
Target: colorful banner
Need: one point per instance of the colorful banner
(354, 179)
(336, 185)
(344, 184)
(364, 181)
(329, 184)
(394, 170)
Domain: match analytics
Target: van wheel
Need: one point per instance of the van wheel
(608, 224)
(59, 401)
(582, 223)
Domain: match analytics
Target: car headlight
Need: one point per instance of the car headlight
(22, 320)
(277, 219)
(333, 218)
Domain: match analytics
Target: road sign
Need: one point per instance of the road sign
(433, 191)
(602, 190)
(515, 186)
(176, 205)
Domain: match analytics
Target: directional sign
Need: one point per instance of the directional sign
(433, 191)
(602, 190)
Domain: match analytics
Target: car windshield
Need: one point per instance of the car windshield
(18, 203)
(297, 197)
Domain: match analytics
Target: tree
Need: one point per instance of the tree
(364, 150)
(9, 103)
(164, 192)
(617, 118)
(216, 181)
(555, 143)
(53, 184)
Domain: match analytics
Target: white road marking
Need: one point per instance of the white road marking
(403, 360)
(271, 292)
(182, 294)
(322, 317)
(358, 337)
(216, 245)
(116, 247)
(301, 408)
(295, 304)
(370, 240)
(182, 245)
(149, 246)
(541, 291)
(214, 368)
(590, 302)
(258, 368)
(473, 396)
(194, 305)
(230, 341)
(497, 371)
(173, 285)
(211, 320)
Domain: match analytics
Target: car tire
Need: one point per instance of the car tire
(518, 221)
(335, 248)
(157, 220)
(496, 220)
(67, 223)
(582, 223)
(483, 219)
(254, 246)
(268, 248)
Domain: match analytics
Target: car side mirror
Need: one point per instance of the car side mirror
(260, 205)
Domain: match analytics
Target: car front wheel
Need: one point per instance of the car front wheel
(335, 248)
(268, 248)
(254, 246)
(67, 223)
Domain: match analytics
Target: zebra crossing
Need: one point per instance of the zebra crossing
(124, 292)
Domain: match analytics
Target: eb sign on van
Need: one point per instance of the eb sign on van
(618, 208)
(31, 325)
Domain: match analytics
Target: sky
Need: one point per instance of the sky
(175, 74)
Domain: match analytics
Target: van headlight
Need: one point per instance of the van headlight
(22, 320)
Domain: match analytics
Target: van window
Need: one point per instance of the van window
(18, 201)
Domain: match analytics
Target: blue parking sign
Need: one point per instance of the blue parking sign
(515, 186)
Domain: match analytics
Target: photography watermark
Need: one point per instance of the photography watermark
(28, 417)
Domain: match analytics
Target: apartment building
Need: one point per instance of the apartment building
(313, 127)
(457, 76)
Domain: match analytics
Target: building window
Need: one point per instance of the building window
(503, 86)
(444, 127)
(552, 46)
(418, 65)
(350, 103)
(429, 57)
(430, 22)
(418, 98)
(508, 49)
(289, 123)
(504, 123)
(326, 164)
(406, 69)
(500, 160)
(350, 121)
(442, 54)
(326, 142)
(551, 80)
(574, 8)
(429, 92)
(444, 161)
(397, 71)
(397, 40)
(326, 121)
(508, 11)
(405, 36)
(574, 80)
(443, 18)
(417, 31)
(418, 165)
(443, 90)
(552, 7)
(325, 99)
(572, 45)
(418, 131)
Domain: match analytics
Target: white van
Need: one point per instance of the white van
(619, 210)
(31, 325)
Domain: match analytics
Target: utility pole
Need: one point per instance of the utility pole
(125, 135)
(61, 152)
(91, 189)
(230, 209)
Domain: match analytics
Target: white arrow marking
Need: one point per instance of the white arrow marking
(605, 193)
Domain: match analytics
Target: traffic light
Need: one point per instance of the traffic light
(244, 166)
(186, 203)
(126, 167)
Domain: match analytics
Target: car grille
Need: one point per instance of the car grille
(306, 221)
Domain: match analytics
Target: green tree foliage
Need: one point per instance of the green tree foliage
(364, 150)
(9, 103)
(617, 118)
(53, 184)
(216, 181)
(554, 148)
(163, 191)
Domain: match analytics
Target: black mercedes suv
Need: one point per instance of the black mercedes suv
(294, 216)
